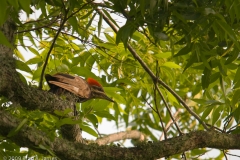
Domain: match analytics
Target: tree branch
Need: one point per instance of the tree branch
(121, 136)
(169, 124)
(19, 93)
(31, 137)
(51, 22)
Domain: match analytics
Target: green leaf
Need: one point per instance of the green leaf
(172, 98)
(222, 69)
(89, 130)
(184, 50)
(100, 104)
(34, 51)
(229, 31)
(171, 65)
(149, 132)
(62, 68)
(23, 79)
(42, 5)
(206, 112)
(216, 114)
(67, 121)
(237, 77)
(190, 62)
(23, 66)
(200, 101)
(73, 21)
(142, 6)
(87, 15)
(235, 98)
(4, 40)
(236, 114)
(118, 109)
(19, 55)
(116, 97)
(214, 77)
(233, 56)
(152, 5)
(14, 3)
(84, 72)
(110, 38)
(93, 119)
(237, 84)
(91, 60)
(236, 131)
(100, 24)
(124, 33)
(63, 113)
(90, 21)
(204, 60)
(163, 55)
(47, 148)
(180, 18)
(104, 114)
(111, 90)
(8, 146)
(3, 15)
(25, 4)
(34, 61)
(206, 78)
(207, 102)
(30, 37)
(37, 73)
(15, 130)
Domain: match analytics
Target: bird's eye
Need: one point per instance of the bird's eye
(98, 88)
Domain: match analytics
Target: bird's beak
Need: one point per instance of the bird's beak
(107, 98)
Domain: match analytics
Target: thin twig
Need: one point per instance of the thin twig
(232, 128)
(64, 7)
(228, 120)
(184, 156)
(100, 135)
(149, 104)
(170, 123)
(199, 155)
(165, 102)
(72, 14)
(50, 50)
(156, 104)
(216, 128)
(40, 27)
(158, 113)
(233, 155)
(225, 155)
(169, 110)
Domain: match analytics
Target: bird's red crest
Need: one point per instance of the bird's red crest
(92, 81)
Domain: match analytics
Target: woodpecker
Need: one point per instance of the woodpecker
(83, 89)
